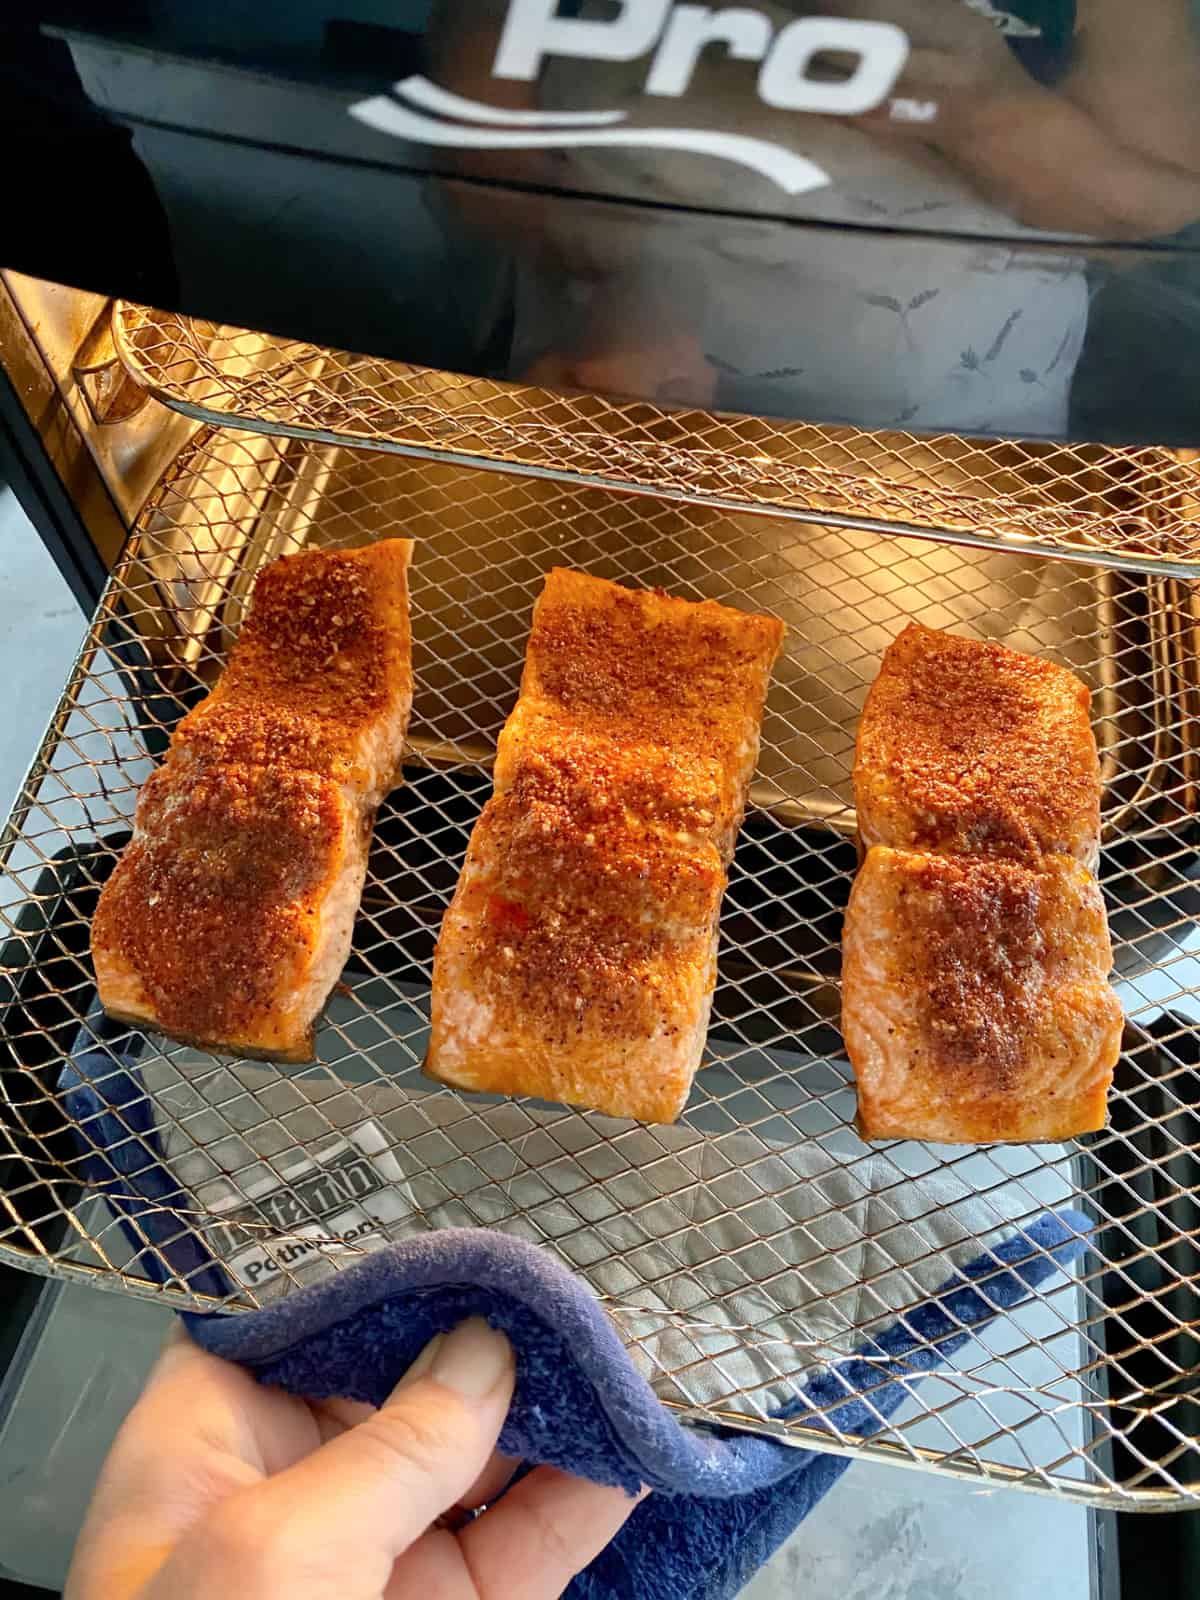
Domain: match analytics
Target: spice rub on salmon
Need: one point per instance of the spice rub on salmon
(578, 958)
(976, 1005)
(321, 677)
(975, 950)
(228, 919)
(968, 747)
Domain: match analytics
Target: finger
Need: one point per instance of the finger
(432, 1569)
(334, 1416)
(420, 1453)
(488, 1486)
(336, 1522)
(494, 1478)
(542, 1533)
(201, 1431)
(442, 1565)
(195, 1398)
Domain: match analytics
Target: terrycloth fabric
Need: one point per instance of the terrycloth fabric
(677, 1549)
(723, 1501)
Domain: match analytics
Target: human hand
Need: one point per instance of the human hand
(218, 1486)
(1111, 149)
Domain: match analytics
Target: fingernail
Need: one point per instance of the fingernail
(472, 1359)
(423, 1362)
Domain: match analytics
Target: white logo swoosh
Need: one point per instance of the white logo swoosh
(420, 92)
(794, 174)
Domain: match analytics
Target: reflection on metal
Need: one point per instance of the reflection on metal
(1134, 507)
(109, 459)
(110, 393)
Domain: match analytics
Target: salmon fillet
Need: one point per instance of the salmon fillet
(975, 951)
(321, 678)
(976, 1006)
(578, 958)
(968, 747)
(228, 918)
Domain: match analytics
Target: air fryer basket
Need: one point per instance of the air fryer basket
(759, 1236)
(1135, 507)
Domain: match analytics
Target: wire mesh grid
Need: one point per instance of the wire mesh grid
(758, 1238)
(1130, 506)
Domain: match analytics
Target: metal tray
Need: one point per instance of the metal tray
(1136, 507)
(759, 1236)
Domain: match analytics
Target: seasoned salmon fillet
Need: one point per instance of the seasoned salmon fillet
(976, 1006)
(321, 679)
(966, 746)
(228, 918)
(975, 951)
(578, 958)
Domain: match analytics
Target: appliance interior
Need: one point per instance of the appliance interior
(759, 1238)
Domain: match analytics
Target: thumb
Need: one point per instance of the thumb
(339, 1518)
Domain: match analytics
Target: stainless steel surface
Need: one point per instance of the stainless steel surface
(1133, 507)
(759, 1235)
(57, 345)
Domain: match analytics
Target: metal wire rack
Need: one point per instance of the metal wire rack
(1135, 507)
(758, 1237)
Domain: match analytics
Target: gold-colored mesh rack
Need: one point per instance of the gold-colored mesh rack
(759, 1237)
(1135, 507)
